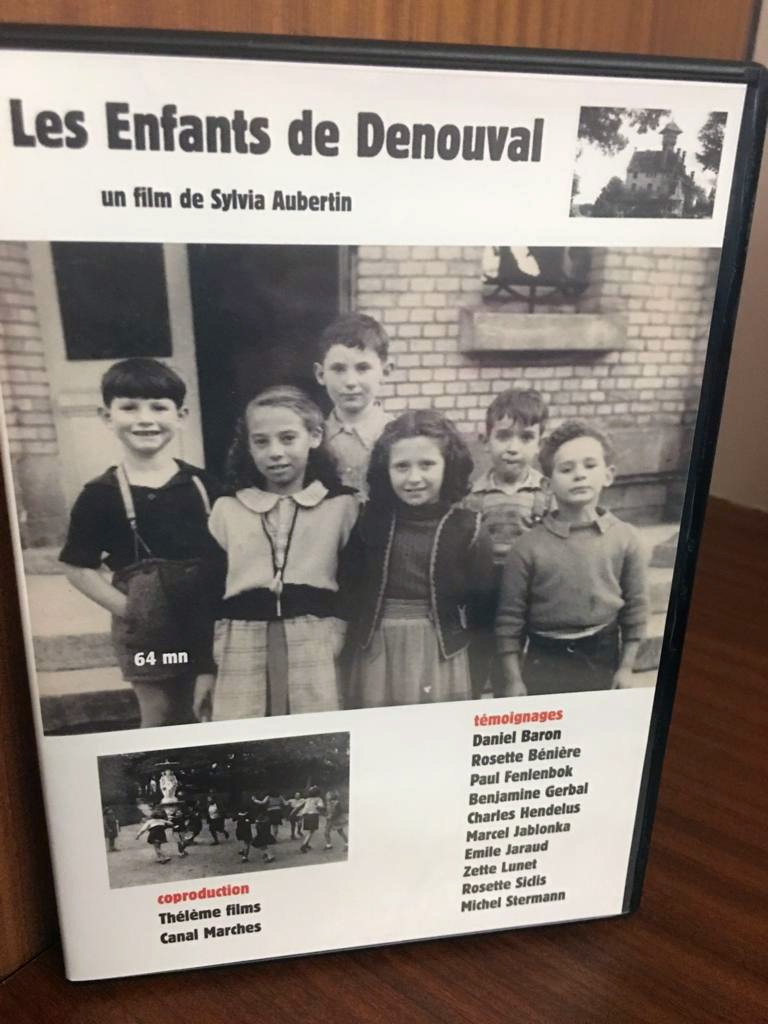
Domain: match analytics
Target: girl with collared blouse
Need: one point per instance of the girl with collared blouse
(425, 571)
(284, 526)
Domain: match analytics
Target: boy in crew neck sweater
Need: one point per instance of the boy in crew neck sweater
(574, 586)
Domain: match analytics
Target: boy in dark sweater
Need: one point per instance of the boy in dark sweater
(573, 587)
(146, 520)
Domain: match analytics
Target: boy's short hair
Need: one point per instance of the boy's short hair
(354, 330)
(142, 377)
(569, 431)
(526, 407)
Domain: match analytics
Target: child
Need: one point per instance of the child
(335, 819)
(177, 824)
(283, 529)
(194, 823)
(353, 363)
(512, 495)
(296, 802)
(146, 521)
(276, 809)
(425, 568)
(243, 833)
(264, 837)
(216, 821)
(155, 827)
(311, 810)
(111, 828)
(575, 585)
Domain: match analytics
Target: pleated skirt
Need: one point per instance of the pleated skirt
(404, 665)
(287, 667)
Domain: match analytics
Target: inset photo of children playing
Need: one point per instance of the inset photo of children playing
(275, 480)
(198, 812)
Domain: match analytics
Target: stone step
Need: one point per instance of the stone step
(43, 562)
(659, 585)
(99, 700)
(58, 610)
(650, 648)
(655, 534)
(664, 554)
(64, 655)
(69, 630)
(77, 651)
(660, 542)
(95, 697)
(94, 700)
(646, 678)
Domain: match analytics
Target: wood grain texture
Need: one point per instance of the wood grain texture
(695, 951)
(702, 28)
(690, 28)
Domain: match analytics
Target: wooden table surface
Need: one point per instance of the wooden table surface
(695, 951)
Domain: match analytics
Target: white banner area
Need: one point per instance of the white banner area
(259, 151)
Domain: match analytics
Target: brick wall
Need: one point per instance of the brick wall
(417, 291)
(27, 400)
(666, 295)
(23, 377)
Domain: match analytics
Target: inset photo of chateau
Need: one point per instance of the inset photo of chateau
(645, 162)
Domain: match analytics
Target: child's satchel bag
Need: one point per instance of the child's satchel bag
(167, 632)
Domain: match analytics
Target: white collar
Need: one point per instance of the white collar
(264, 501)
(367, 428)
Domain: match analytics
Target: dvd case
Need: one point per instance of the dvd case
(359, 403)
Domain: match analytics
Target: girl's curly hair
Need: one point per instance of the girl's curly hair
(240, 471)
(421, 423)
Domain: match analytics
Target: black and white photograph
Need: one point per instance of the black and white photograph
(268, 480)
(226, 809)
(647, 162)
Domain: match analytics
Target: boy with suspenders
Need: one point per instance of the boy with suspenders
(146, 521)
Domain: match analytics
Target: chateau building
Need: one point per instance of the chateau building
(660, 174)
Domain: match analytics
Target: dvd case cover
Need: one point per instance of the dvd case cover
(358, 410)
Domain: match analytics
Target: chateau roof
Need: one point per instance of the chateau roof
(651, 161)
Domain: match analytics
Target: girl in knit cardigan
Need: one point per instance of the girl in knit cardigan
(424, 588)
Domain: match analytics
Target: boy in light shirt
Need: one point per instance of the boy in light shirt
(512, 496)
(353, 363)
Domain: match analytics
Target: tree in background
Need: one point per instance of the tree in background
(603, 127)
(229, 770)
(612, 200)
(711, 140)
